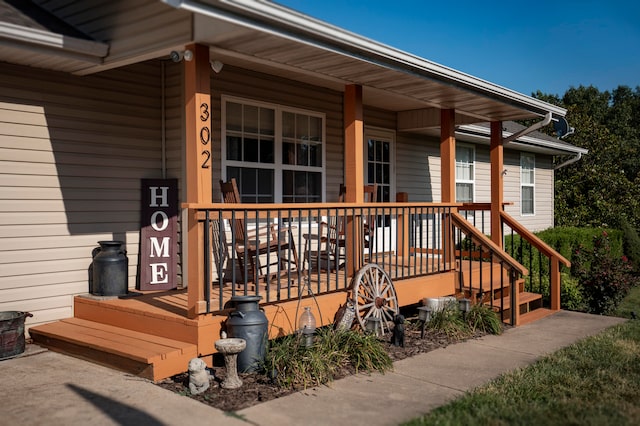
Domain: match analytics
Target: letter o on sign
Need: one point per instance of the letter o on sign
(154, 221)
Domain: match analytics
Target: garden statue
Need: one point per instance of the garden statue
(199, 377)
(398, 331)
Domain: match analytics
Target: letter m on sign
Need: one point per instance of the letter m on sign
(158, 235)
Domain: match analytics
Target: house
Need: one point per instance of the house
(99, 98)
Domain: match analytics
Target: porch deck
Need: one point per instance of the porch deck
(427, 251)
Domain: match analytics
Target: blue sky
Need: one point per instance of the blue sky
(525, 46)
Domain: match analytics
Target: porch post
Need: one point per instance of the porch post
(448, 176)
(497, 178)
(353, 173)
(555, 278)
(197, 168)
(448, 155)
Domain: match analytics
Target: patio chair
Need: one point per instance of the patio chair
(263, 240)
(336, 226)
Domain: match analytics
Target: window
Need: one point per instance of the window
(527, 183)
(379, 162)
(275, 153)
(465, 173)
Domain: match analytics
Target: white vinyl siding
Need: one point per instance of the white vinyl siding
(72, 153)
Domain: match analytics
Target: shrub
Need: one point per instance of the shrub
(449, 321)
(631, 244)
(295, 366)
(484, 319)
(571, 297)
(605, 279)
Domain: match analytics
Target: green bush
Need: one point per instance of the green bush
(605, 278)
(296, 366)
(571, 297)
(449, 321)
(483, 318)
(631, 244)
(566, 240)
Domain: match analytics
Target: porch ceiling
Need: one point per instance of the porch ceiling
(273, 39)
(383, 86)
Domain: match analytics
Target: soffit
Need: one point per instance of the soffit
(383, 86)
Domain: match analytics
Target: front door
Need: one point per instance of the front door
(379, 169)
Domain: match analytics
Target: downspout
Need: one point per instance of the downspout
(533, 127)
(569, 161)
(163, 145)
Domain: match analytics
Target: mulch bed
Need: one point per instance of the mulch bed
(258, 388)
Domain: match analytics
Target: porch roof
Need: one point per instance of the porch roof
(276, 40)
(281, 41)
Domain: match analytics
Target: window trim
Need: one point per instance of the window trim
(528, 185)
(472, 181)
(277, 166)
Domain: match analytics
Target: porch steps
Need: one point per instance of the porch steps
(498, 294)
(532, 316)
(527, 301)
(141, 354)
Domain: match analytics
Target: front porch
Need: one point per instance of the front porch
(428, 250)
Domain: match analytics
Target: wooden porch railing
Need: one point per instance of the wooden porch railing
(477, 256)
(543, 262)
(407, 240)
(541, 259)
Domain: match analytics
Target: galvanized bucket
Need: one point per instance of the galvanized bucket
(12, 341)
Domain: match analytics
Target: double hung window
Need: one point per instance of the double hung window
(275, 153)
(465, 173)
(527, 183)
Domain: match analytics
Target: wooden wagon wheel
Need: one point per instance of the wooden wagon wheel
(374, 296)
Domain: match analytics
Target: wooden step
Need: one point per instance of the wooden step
(535, 315)
(141, 354)
(525, 299)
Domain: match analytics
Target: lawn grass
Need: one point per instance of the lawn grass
(594, 382)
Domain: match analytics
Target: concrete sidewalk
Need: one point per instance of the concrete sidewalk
(59, 390)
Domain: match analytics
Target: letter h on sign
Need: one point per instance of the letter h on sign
(158, 234)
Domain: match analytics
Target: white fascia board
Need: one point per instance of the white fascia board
(52, 40)
(275, 17)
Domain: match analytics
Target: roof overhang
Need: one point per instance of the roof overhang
(27, 42)
(284, 42)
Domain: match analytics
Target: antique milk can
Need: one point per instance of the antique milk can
(250, 323)
(110, 269)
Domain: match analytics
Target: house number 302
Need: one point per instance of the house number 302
(205, 135)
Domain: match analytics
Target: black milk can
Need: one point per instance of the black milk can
(110, 269)
(249, 322)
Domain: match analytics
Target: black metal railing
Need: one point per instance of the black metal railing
(283, 252)
(486, 274)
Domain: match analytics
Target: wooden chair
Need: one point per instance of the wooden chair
(261, 241)
(336, 226)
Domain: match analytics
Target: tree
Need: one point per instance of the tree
(603, 188)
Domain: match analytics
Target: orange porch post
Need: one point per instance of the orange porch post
(353, 173)
(197, 167)
(497, 178)
(448, 174)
